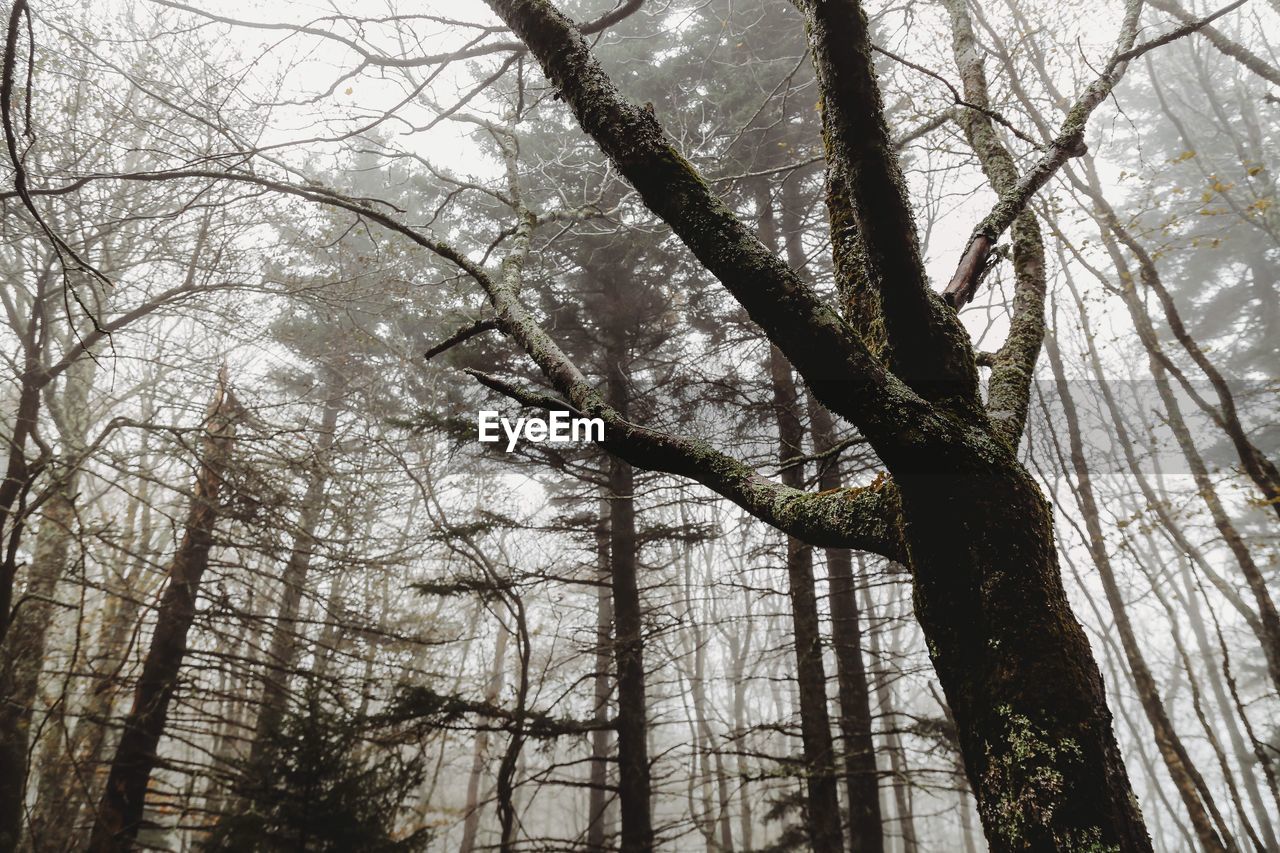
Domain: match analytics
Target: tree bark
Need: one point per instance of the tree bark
(822, 812)
(22, 658)
(861, 778)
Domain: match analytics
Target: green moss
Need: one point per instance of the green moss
(1027, 772)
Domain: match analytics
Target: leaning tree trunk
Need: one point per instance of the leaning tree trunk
(282, 649)
(1160, 364)
(120, 811)
(1195, 796)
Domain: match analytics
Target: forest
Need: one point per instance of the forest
(739, 426)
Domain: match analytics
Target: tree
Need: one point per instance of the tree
(309, 790)
(951, 498)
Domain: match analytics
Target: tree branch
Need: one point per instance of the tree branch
(862, 518)
(833, 360)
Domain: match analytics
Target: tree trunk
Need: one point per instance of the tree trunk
(822, 812)
(68, 772)
(1191, 788)
(120, 811)
(631, 726)
(22, 657)
(1268, 615)
(862, 779)
(283, 646)
(893, 744)
(1014, 663)
(862, 785)
(823, 800)
(480, 750)
(598, 799)
(1032, 717)
(22, 651)
(628, 643)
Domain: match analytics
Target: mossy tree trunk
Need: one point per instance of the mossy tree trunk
(956, 506)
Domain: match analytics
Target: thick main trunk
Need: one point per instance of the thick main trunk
(1014, 663)
(119, 814)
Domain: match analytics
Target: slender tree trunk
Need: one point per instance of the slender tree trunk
(1191, 787)
(740, 649)
(22, 650)
(893, 744)
(68, 773)
(1259, 468)
(22, 655)
(1244, 759)
(282, 649)
(120, 811)
(16, 674)
(1157, 503)
(628, 644)
(862, 778)
(823, 799)
(1268, 616)
(479, 753)
(822, 810)
(598, 801)
(512, 758)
